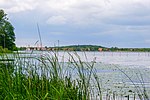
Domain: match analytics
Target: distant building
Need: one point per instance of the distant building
(88, 49)
(36, 48)
(100, 49)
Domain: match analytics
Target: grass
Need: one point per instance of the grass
(46, 77)
(26, 83)
(141, 91)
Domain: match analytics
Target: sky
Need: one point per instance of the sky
(109, 23)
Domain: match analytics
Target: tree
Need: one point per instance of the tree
(7, 35)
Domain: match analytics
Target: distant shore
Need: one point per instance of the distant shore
(85, 48)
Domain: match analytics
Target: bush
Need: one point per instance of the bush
(4, 50)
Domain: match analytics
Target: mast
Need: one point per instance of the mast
(39, 36)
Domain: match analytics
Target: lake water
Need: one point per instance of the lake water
(117, 70)
(121, 58)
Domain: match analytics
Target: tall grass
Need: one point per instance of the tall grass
(47, 77)
(141, 91)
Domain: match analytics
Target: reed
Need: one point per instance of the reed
(47, 77)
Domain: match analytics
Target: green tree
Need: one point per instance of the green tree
(7, 35)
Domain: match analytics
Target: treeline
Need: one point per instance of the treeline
(78, 48)
(86, 48)
(130, 49)
(97, 48)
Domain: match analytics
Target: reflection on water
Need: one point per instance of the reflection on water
(121, 58)
(106, 62)
(117, 70)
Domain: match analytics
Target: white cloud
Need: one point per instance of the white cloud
(15, 6)
(81, 12)
(56, 20)
(99, 11)
(2, 2)
(110, 17)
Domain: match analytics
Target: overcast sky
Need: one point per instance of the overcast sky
(110, 23)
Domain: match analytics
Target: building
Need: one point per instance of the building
(100, 49)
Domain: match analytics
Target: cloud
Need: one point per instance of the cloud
(147, 41)
(56, 20)
(85, 12)
(16, 6)
(56, 33)
(101, 20)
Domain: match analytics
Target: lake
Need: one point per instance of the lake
(119, 58)
(117, 71)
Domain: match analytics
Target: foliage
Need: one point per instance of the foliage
(130, 49)
(5, 50)
(7, 35)
(19, 83)
(91, 48)
(78, 48)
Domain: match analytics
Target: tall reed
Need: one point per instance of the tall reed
(47, 77)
